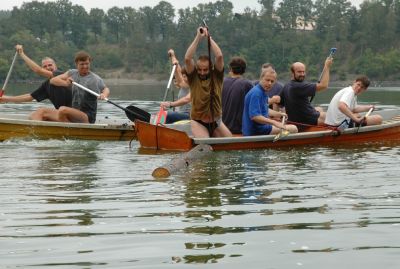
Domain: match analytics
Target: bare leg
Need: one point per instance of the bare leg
(322, 115)
(45, 114)
(199, 130)
(374, 120)
(222, 131)
(290, 127)
(68, 114)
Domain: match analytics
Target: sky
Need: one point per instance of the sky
(238, 5)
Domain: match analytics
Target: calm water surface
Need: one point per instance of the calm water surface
(85, 204)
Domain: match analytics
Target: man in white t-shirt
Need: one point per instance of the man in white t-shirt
(343, 109)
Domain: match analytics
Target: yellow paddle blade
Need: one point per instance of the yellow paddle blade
(281, 134)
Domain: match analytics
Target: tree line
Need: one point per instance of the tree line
(136, 40)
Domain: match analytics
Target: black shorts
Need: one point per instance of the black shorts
(210, 126)
(353, 124)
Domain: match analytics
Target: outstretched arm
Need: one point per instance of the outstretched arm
(32, 65)
(16, 99)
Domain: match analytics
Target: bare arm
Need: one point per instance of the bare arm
(219, 59)
(180, 82)
(363, 108)
(180, 102)
(263, 120)
(63, 80)
(16, 99)
(323, 84)
(347, 111)
(105, 93)
(189, 62)
(276, 99)
(32, 65)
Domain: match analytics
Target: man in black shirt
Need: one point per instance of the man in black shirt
(59, 96)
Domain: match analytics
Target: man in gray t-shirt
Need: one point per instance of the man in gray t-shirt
(84, 105)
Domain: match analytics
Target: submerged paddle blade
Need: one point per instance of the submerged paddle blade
(134, 113)
(281, 134)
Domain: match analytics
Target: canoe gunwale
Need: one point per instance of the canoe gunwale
(388, 131)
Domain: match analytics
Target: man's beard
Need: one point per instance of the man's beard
(300, 78)
(204, 77)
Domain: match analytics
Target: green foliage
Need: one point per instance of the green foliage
(280, 32)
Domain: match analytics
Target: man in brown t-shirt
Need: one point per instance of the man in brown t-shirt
(205, 83)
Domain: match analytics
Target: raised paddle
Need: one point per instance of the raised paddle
(161, 115)
(331, 53)
(133, 113)
(8, 75)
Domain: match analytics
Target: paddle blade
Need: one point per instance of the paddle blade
(134, 113)
(160, 117)
(281, 134)
(1, 93)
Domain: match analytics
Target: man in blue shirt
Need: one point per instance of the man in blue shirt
(256, 113)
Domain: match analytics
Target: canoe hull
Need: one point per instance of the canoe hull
(165, 138)
(17, 127)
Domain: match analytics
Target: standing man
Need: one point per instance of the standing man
(59, 96)
(205, 81)
(84, 104)
(296, 93)
(343, 108)
(257, 115)
(234, 89)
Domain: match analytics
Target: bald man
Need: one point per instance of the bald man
(296, 94)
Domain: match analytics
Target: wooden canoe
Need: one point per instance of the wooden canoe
(178, 138)
(17, 126)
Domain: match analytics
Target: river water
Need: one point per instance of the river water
(85, 204)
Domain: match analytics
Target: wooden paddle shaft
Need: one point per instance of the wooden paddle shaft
(9, 71)
(169, 82)
(369, 112)
(184, 161)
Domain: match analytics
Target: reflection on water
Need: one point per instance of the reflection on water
(80, 204)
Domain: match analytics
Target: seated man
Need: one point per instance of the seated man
(343, 109)
(234, 89)
(84, 105)
(296, 93)
(256, 113)
(59, 96)
(183, 104)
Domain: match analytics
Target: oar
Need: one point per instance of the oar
(331, 53)
(131, 112)
(8, 75)
(161, 115)
(364, 118)
(283, 132)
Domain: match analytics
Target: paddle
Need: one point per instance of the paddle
(364, 118)
(283, 132)
(133, 113)
(331, 53)
(161, 115)
(8, 75)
